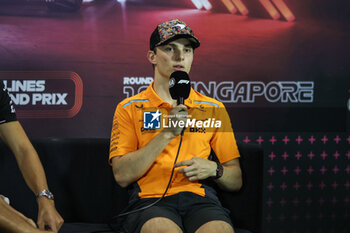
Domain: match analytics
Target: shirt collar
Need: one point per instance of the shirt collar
(154, 97)
(189, 101)
(157, 101)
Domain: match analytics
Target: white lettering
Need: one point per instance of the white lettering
(20, 99)
(181, 124)
(242, 92)
(36, 98)
(137, 80)
(191, 123)
(49, 98)
(183, 81)
(25, 85)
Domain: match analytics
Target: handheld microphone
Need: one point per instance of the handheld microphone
(179, 86)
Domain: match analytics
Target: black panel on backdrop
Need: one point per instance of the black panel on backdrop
(268, 119)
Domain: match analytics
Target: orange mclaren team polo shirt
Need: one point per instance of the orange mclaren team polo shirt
(139, 118)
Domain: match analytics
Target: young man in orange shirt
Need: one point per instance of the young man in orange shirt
(143, 158)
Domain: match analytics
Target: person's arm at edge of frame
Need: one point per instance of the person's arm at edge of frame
(12, 221)
(29, 163)
(132, 166)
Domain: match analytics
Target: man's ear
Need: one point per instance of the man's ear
(151, 56)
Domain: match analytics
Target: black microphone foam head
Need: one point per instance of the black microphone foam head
(179, 85)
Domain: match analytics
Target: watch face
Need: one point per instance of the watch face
(221, 171)
(46, 193)
(49, 195)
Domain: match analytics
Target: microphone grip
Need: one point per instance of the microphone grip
(182, 132)
(180, 100)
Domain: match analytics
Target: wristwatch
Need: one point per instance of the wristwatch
(219, 170)
(45, 193)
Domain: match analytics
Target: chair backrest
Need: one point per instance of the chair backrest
(79, 175)
(246, 205)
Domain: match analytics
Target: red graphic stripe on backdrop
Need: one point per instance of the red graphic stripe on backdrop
(229, 6)
(285, 11)
(241, 7)
(270, 9)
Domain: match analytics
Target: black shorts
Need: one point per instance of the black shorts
(188, 210)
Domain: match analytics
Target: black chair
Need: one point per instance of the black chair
(87, 196)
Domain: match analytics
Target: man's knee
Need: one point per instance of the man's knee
(215, 226)
(160, 225)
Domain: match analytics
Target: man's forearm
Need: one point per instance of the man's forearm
(32, 170)
(231, 179)
(27, 158)
(132, 166)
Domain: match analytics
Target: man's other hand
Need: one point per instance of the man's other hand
(48, 217)
(197, 168)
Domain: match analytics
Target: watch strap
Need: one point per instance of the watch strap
(219, 170)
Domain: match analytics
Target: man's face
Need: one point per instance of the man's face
(174, 56)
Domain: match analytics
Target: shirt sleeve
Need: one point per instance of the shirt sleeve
(223, 141)
(123, 136)
(7, 111)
